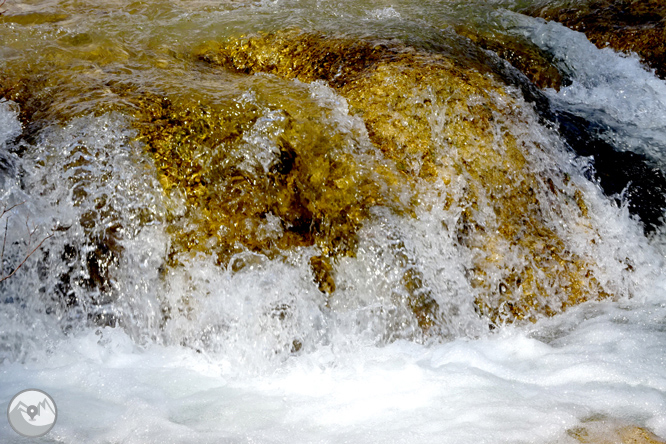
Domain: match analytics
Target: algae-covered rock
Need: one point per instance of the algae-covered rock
(264, 179)
(32, 18)
(257, 166)
(625, 25)
(441, 121)
(256, 163)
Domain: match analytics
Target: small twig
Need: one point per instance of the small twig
(26, 258)
(7, 210)
(4, 241)
(2, 4)
(31, 232)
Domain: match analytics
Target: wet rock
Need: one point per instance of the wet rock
(297, 187)
(256, 164)
(302, 187)
(624, 25)
(536, 64)
(33, 18)
(323, 273)
(436, 120)
(608, 430)
(622, 175)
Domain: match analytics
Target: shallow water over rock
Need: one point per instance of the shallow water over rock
(341, 205)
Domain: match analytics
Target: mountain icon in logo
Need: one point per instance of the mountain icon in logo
(32, 413)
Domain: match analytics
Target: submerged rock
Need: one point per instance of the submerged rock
(256, 163)
(537, 65)
(263, 175)
(607, 431)
(440, 121)
(33, 18)
(624, 25)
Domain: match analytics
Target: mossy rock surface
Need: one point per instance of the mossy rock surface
(438, 121)
(302, 187)
(254, 162)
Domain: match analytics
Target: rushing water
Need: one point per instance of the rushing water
(147, 325)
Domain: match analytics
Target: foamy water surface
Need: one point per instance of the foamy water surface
(253, 354)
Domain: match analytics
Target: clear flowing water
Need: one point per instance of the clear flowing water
(136, 347)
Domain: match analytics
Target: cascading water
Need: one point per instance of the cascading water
(298, 221)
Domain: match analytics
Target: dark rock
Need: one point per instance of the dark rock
(621, 174)
(624, 25)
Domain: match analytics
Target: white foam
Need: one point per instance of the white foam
(225, 367)
(10, 127)
(517, 386)
(383, 13)
(87, 185)
(613, 89)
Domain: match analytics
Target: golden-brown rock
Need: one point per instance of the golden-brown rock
(438, 120)
(308, 190)
(32, 18)
(610, 431)
(536, 64)
(256, 163)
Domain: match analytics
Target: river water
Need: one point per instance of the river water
(165, 308)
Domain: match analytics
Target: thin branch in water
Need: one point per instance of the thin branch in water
(31, 233)
(7, 210)
(26, 258)
(4, 241)
(2, 4)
